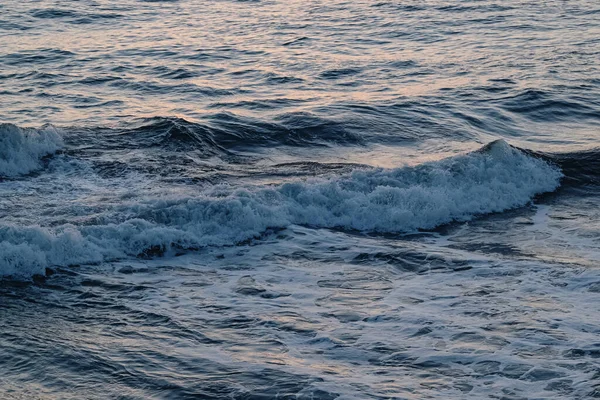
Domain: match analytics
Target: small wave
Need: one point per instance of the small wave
(544, 106)
(339, 73)
(496, 178)
(40, 56)
(21, 150)
(77, 17)
(53, 13)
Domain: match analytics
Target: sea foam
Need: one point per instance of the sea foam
(496, 178)
(21, 149)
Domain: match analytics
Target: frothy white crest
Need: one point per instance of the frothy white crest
(494, 179)
(21, 149)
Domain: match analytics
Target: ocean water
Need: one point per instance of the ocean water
(299, 199)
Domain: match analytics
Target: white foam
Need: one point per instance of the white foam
(21, 149)
(494, 179)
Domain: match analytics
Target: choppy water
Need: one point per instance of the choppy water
(313, 200)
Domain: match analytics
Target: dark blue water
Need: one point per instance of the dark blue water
(308, 200)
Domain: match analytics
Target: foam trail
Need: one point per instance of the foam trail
(495, 178)
(21, 149)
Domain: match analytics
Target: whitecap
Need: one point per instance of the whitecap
(21, 149)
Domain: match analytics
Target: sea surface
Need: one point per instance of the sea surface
(294, 199)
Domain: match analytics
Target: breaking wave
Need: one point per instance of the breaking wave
(495, 178)
(22, 150)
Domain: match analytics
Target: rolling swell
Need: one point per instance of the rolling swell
(222, 133)
(229, 131)
(496, 178)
